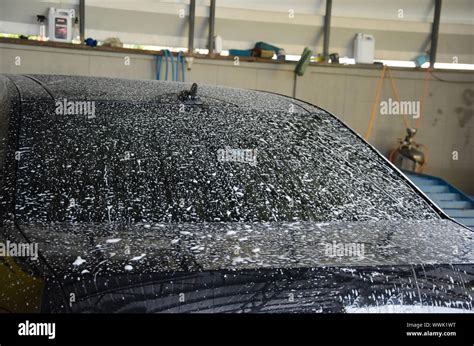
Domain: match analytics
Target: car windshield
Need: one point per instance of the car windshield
(125, 161)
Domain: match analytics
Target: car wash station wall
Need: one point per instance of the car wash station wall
(348, 91)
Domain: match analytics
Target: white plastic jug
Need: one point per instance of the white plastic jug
(218, 44)
(60, 24)
(364, 48)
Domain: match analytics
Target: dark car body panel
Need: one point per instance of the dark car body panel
(171, 259)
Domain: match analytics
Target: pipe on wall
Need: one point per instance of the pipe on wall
(212, 22)
(327, 29)
(82, 19)
(435, 32)
(192, 17)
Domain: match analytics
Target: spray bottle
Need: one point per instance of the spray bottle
(76, 36)
(42, 29)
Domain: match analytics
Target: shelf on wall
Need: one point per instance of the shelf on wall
(52, 44)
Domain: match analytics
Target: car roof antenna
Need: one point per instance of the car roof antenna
(190, 96)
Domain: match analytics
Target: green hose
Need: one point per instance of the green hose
(303, 62)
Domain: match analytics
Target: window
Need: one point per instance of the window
(154, 162)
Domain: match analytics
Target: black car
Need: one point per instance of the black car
(148, 196)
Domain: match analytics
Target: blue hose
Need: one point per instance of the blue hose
(170, 55)
(159, 60)
(174, 72)
(181, 58)
(165, 52)
(178, 57)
